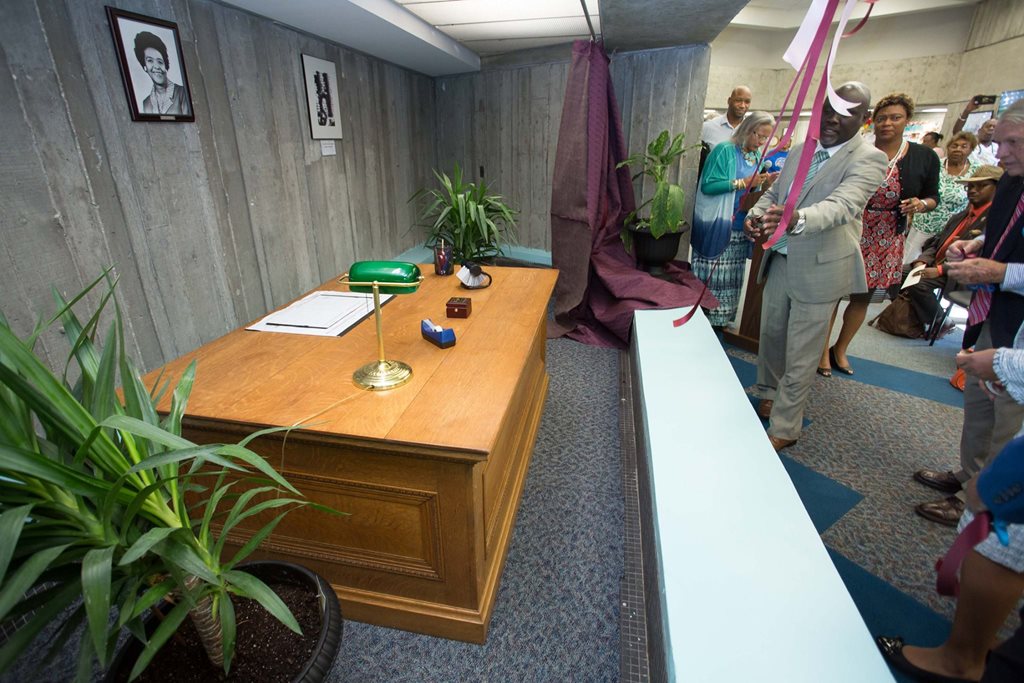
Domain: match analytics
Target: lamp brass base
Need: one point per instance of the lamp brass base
(381, 375)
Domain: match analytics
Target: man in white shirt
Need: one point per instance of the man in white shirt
(721, 128)
(986, 153)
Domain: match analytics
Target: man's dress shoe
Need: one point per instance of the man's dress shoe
(764, 408)
(940, 481)
(946, 511)
(778, 444)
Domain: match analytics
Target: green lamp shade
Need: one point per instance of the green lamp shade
(395, 272)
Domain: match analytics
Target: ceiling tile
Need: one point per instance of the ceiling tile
(441, 13)
(528, 28)
(497, 47)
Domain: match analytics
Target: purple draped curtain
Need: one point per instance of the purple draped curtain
(599, 285)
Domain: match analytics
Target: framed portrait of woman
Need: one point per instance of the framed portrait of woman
(152, 67)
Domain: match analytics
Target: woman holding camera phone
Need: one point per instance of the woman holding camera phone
(985, 152)
(911, 186)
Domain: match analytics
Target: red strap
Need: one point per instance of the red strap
(947, 581)
(814, 126)
(679, 322)
(871, 6)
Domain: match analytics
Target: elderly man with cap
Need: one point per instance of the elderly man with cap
(967, 224)
(721, 128)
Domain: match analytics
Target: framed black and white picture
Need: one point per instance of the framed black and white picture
(321, 79)
(152, 67)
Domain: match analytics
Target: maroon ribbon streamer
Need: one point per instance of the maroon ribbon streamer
(804, 76)
(947, 580)
(807, 71)
(859, 26)
(814, 127)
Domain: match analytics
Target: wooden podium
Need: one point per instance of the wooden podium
(430, 472)
(747, 337)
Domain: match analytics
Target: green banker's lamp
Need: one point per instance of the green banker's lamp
(389, 277)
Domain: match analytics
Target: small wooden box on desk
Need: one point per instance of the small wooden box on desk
(431, 472)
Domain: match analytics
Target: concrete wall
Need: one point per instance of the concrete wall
(502, 124)
(208, 224)
(939, 58)
(505, 120)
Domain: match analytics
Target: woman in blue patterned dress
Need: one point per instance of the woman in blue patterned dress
(717, 238)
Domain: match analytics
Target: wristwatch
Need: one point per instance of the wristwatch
(801, 223)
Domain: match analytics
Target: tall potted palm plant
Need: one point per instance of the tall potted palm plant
(468, 216)
(103, 504)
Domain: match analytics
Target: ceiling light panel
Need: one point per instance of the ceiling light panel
(487, 48)
(443, 13)
(529, 28)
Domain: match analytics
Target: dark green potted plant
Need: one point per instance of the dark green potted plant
(467, 216)
(104, 506)
(656, 225)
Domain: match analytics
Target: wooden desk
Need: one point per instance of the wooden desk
(431, 472)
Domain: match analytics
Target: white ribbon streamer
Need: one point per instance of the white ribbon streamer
(797, 51)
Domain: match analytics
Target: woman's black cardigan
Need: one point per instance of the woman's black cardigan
(919, 173)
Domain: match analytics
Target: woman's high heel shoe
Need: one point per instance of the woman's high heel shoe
(845, 369)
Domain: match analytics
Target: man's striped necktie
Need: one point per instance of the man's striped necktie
(820, 157)
(981, 300)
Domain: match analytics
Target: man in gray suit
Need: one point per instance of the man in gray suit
(816, 263)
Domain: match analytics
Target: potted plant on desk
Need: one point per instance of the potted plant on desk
(657, 224)
(105, 507)
(474, 221)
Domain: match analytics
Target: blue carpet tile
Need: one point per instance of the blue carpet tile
(888, 611)
(876, 374)
(825, 499)
(903, 380)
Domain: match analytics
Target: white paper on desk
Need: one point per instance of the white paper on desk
(323, 314)
(913, 277)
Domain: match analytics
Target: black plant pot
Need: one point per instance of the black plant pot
(652, 254)
(315, 669)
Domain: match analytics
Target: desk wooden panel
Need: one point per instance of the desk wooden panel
(431, 472)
